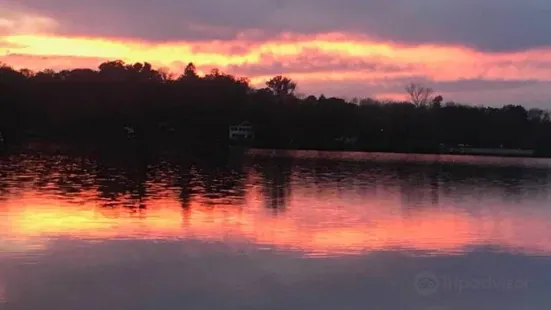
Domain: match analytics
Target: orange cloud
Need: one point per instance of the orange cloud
(439, 62)
(331, 57)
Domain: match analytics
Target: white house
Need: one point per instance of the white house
(130, 132)
(243, 131)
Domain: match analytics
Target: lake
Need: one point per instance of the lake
(274, 230)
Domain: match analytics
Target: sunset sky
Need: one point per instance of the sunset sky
(480, 52)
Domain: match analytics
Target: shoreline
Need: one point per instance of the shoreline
(215, 150)
(281, 152)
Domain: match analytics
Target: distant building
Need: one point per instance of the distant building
(130, 132)
(243, 131)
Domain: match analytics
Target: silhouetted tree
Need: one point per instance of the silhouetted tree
(282, 87)
(419, 94)
(190, 72)
(93, 107)
(437, 102)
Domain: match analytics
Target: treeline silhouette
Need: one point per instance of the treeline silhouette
(85, 106)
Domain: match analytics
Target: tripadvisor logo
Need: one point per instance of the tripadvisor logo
(427, 283)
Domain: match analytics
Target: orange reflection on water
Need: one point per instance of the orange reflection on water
(308, 224)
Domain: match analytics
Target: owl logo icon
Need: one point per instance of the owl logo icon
(426, 283)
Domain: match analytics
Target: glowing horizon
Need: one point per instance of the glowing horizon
(335, 62)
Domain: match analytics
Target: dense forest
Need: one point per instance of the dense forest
(93, 107)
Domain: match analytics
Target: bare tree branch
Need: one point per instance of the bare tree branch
(419, 95)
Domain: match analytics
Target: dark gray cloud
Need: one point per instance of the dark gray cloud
(397, 85)
(489, 25)
(313, 60)
(456, 86)
(476, 85)
(529, 93)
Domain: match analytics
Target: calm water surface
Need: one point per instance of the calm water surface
(274, 230)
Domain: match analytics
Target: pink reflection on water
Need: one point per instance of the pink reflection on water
(320, 216)
(328, 226)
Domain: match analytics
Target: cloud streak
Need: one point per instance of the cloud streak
(491, 25)
(465, 49)
(344, 65)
